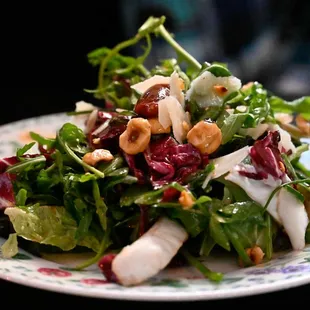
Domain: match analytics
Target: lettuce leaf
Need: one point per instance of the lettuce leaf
(10, 247)
(49, 225)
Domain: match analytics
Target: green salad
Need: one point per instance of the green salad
(172, 164)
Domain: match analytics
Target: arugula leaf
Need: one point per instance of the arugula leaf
(21, 197)
(234, 239)
(45, 181)
(207, 244)
(217, 233)
(82, 178)
(238, 193)
(150, 25)
(219, 70)
(132, 194)
(108, 167)
(21, 151)
(197, 179)
(27, 164)
(100, 206)
(213, 276)
(74, 137)
(194, 223)
(84, 225)
(240, 211)
(300, 105)
(231, 125)
(49, 143)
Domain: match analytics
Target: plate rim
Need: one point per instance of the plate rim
(162, 296)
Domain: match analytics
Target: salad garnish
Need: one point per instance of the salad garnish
(174, 163)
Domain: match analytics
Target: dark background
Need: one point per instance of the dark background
(44, 68)
(43, 54)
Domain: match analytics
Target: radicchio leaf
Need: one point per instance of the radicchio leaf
(266, 156)
(7, 198)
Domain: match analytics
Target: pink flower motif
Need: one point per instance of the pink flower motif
(54, 272)
(94, 281)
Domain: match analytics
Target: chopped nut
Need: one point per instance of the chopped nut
(205, 136)
(96, 140)
(186, 127)
(220, 90)
(247, 86)
(303, 125)
(186, 200)
(94, 157)
(157, 128)
(256, 254)
(282, 167)
(283, 118)
(136, 137)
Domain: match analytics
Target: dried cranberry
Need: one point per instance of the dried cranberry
(105, 264)
(147, 105)
(170, 194)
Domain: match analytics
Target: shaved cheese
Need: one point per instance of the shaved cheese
(203, 92)
(255, 132)
(226, 163)
(91, 121)
(293, 217)
(170, 112)
(163, 112)
(175, 88)
(82, 106)
(256, 190)
(143, 86)
(150, 253)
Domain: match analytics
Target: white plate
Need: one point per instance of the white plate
(53, 272)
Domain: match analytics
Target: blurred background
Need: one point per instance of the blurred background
(44, 67)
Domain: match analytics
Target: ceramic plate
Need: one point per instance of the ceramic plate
(54, 273)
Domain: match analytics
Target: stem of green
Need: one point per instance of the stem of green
(303, 169)
(113, 52)
(178, 48)
(80, 161)
(214, 276)
(22, 165)
(281, 186)
(269, 248)
(103, 246)
(238, 246)
(299, 150)
(144, 71)
(100, 206)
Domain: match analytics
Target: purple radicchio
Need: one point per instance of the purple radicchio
(169, 161)
(266, 158)
(7, 198)
(105, 134)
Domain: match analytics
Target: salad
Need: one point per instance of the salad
(172, 163)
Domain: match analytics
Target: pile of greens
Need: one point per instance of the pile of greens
(63, 204)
